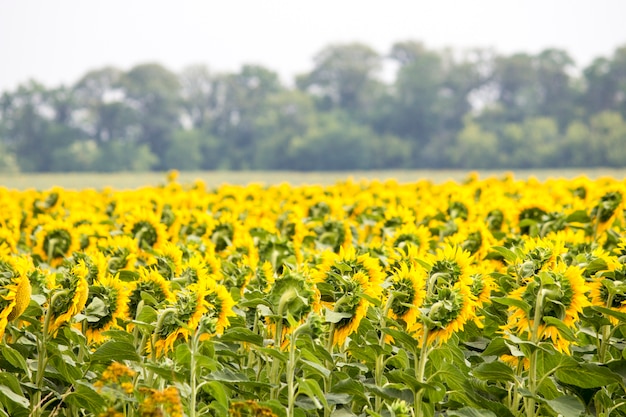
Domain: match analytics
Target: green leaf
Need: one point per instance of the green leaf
(315, 368)
(183, 354)
(565, 331)
(512, 302)
(147, 315)
(401, 338)
(405, 377)
(86, 398)
(241, 334)
(128, 276)
(13, 397)
(610, 312)
(217, 390)
(497, 347)
(311, 388)
(506, 253)
(567, 406)
(350, 387)
(336, 317)
(115, 350)
(471, 412)
(588, 375)
(15, 358)
(494, 371)
(579, 216)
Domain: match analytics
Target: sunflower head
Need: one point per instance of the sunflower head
(560, 293)
(54, 240)
(151, 288)
(107, 304)
(69, 294)
(15, 288)
(607, 207)
(408, 291)
(146, 228)
(291, 296)
(446, 312)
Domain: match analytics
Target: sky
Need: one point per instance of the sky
(57, 42)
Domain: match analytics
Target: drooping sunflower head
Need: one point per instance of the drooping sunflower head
(560, 293)
(181, 319)
(15, 288)
(121, 252)
(336, 276)
(539, 254)
(151, 288)
(146, 228)
(95, 261)
(107, 305)
(408, 291)
(53, 240)
(168, 260)
(221, 305)
(450, 266)
(70, 290)
(351, 307)
(446, 312)
(195, 270)
(291, 295)
(609, 206)
(409, 234)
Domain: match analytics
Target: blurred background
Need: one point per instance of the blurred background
(311, 86)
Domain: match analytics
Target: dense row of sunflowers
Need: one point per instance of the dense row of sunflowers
(492, 297)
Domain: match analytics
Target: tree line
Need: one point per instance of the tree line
(470, 109)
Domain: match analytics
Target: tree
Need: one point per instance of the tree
(37, 126)
(154, 92)
(342, 75)
(237, 100)
(106, 115)
(197, 95)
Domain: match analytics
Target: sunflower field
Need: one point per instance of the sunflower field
(482, 298)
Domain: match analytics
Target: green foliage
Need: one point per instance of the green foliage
(472, 109)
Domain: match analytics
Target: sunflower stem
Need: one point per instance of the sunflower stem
(535, 338)
(291, 370)
(42, 356)
(193, 372)
(378, 373)
(420, 370)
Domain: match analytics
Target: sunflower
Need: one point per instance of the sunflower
(195, 270)
(291, 296)
(121, 252)
(417, 236)
(342, 281)
(449, 266)
(69, 291)
(107, 305)
(53, 240)
(151, 288)
(530, 210)
(15, 288)
(563, 293)
(609, 207)
(608, 289)
(408, 289)
(181, 318)
(221, 305)
(446, 312)
(168, 260)
(146, 228)
(539, 254)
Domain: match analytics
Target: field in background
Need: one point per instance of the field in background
(216, 178)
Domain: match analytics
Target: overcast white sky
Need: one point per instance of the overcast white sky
(58, 41)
